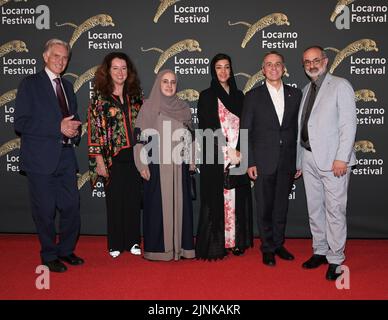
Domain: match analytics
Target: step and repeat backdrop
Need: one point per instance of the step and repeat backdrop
(184, 35)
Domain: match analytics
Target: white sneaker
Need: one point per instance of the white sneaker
(114, 254)
(135, 250)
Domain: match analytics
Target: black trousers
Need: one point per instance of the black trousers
(123, 200)
(272, 192)
(52, 192)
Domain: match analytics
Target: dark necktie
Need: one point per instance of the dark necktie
(309, 107)
(61, 98)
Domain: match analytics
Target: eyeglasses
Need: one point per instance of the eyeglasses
(315, 62)
(277, 65)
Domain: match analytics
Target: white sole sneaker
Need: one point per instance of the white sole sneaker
(114, 254)
(135, 250)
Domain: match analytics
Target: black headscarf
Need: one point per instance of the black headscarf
(234, 100)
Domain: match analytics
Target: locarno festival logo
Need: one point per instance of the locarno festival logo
(356, 46)
(38, 16)
(346, 11)
(187, 44)
(102, 20)
(183, 14)
(278, 19)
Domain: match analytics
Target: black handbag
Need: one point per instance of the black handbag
(235, 181)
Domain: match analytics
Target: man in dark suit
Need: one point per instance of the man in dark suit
(47, 121)
(270, 114)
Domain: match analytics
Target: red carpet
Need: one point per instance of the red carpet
(238, 278)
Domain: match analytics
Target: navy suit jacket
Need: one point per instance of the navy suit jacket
(38, 121)
(266, 137)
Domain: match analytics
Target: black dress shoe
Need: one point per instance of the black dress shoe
(237, 251)
(315, 261)
(333, 271)
(284, 254)
(269, 259)
(72, 259)
(55, 265)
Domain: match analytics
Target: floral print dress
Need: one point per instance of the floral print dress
(230, 125)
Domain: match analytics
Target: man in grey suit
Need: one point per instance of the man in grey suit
(327, 130)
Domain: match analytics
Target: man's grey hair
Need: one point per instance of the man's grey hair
(53, 42)
(275, 53)
(323, 51)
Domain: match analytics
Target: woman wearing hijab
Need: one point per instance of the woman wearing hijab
(225, 220)
(163, 156)
(112, 114)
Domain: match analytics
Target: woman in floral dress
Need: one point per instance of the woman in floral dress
(112, 113)
(225, 221)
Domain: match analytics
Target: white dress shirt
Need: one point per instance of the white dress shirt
(277, 97)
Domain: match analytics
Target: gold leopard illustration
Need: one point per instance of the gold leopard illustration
(103, 20)
(257, 77)
(163, 6)
(364, 146)
(8, 97)
(9, 146)
(3, 2)
(187, 44)
(339, 7)
(274, 18)
(188, 94)
(365, 95)
(14, 45)
(82, 179)
(80, 80)
(363, 44)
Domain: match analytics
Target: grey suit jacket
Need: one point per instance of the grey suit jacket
(332, 123)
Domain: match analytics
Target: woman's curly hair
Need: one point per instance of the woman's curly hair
(103, 82)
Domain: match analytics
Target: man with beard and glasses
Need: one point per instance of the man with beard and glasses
(327, 130)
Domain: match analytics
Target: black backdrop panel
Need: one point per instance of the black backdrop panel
(95, 28)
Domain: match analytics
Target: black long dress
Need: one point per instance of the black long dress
(210, 240)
